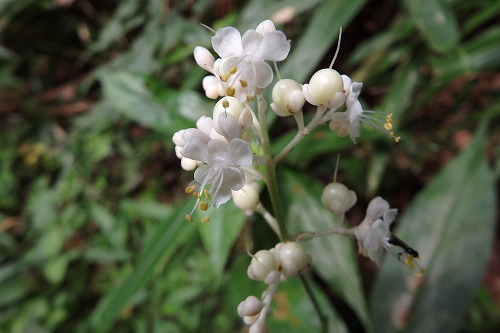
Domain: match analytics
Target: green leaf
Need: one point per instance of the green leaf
(166, 237)
(334, 257)
(436, 22)
(294, 312)
(220, 233)
(451, 224)
(129, 94)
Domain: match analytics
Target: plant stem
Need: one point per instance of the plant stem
(270, 166)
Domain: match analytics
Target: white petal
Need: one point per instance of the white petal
(228, 126)
(240, 153)
(234, 178)
(274, 47)
(263, 74)
(217, 151)
(227, 42)
(195, 149)
(252, 43)
(222, 196)
(204, 174)
(192, 133)
(376, 208)
(265, 27)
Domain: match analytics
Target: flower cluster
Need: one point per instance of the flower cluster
(230, 152)
(283, 261)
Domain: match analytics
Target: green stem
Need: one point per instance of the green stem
(270, 166)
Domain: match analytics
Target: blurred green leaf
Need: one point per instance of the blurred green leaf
(318, 37)
(334, 257)
(294, 312)
(165, 238)
(436, 21)
(451, 224)
(478, 54)
(220, 233)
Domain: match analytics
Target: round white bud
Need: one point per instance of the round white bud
(288, 98)
(213, 88)
(338, 198)
(324, 84)
(263, 263)
(293, 258)
(189, 164)
(247, 198)
(227, 104)
(250, 306)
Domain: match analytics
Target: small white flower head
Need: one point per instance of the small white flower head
(338, 199)
(325, 88)
(264, 266)
(288, 98)
(221, 161)
(373, 233)
(247, 198)
(244, 68)
(348, 122)
(293, 259)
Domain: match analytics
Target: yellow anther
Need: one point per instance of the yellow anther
(205, 219)
(189, 189)
(230, 91)
(395, 138)
(243, 83)
(225, 76)
(203, 205)
(249, 98)
(225, 104)
(189, 218)
(233, 70)
(388, 126)
(409, 261)
(196, 195)
(206, 194)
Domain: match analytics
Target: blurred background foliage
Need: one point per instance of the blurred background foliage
(92, 229)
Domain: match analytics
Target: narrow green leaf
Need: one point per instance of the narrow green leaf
(167, 236)
(436, 22)
(451, 224)
(219, 234)
(334, 257)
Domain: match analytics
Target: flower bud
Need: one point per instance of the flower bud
(247, 198)
(263, 263)
(293, 258)
(212, 86)
(324, 84)
(203, 57)
(225, 105)
(288, 98)
(338, 198)
(250, 306)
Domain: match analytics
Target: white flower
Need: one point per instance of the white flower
(244, 68)
(348, 122)
(221, 162)
(325, 88)
(373, 233)
(338, 199)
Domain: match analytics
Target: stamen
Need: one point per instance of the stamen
(206, 194)
(249, 98)
(205, 219)
(243, 83)
(189, 218)
(230, 91)
(225, 104)
(225, 76)
(196, 195)
(189, 189)
(233, 70)
(203, 205)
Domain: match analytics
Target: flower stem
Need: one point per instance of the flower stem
(270, 166)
